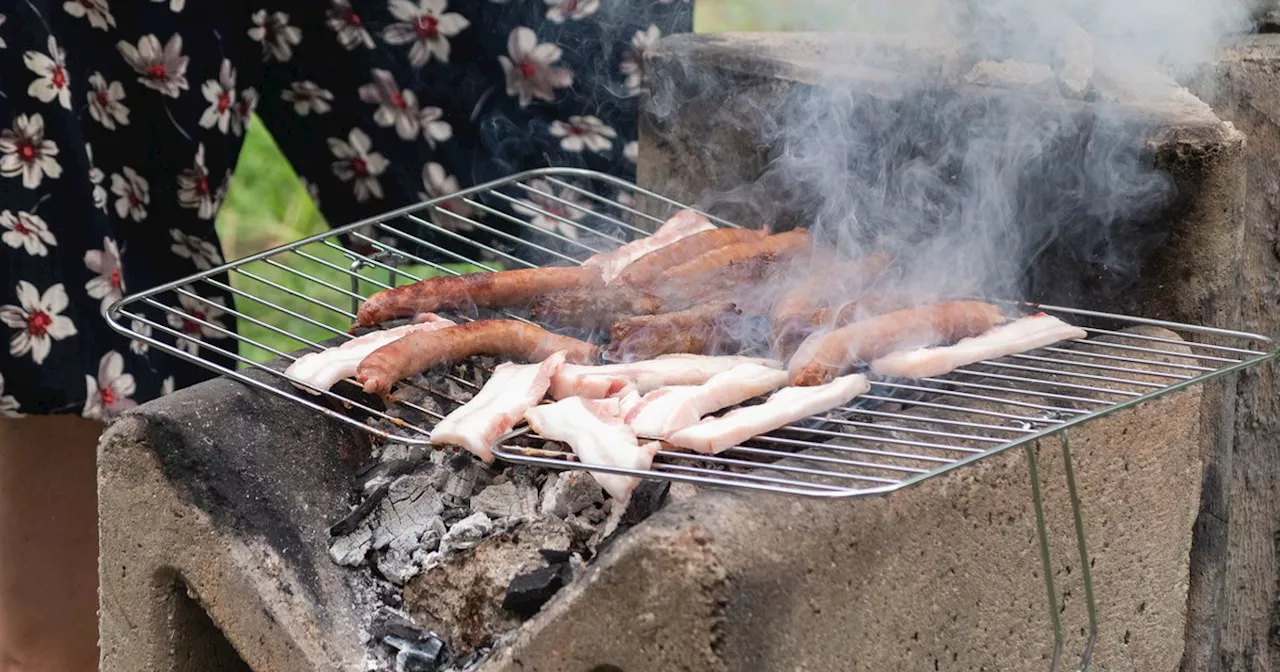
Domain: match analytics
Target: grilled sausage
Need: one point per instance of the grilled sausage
(590, 308)
(823, 357)
(501, 289)
(511, 339)
(705, 329)
(651, 266)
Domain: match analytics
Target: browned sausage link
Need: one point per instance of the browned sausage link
(501, 289)
(590, 308)
(420, 351)
(788, 334)
(768, 249)
(844, 280)
(865, 340)
(651, 266)
(702, 330)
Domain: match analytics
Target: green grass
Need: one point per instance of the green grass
(268, 206)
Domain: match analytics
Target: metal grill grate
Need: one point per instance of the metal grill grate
(902, 432)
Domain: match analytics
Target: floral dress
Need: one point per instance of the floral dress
(123, 119)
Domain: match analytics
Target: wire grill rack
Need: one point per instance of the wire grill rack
(904, 431)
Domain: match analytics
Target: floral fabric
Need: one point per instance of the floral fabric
(121, 122)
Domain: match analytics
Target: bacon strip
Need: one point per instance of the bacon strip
(590, 308)
(501, 289)
(670, 409)
(716, 435)
(598, 437)
(497, 338)
(322, 370)
(597, 382)
(705, 329)
(1018, 336)
(682, 224)
(512, 389)
(823, 357)
(650, 267)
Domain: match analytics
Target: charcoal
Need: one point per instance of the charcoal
(461, 480)
(388, 622)
(466, 533)
(352, 520)
(420, 655)
(570, 492)
(680, 491)
(506, 501)
(529, 591)
(648, 497)
(553, 556)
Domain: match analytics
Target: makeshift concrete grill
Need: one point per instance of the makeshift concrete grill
(869, 447)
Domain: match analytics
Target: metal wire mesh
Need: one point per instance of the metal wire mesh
(304, 295)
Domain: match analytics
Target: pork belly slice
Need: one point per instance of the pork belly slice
(682, 224)
(1023, 335)
(512, 389)
(670, 409)
(788, 405)
(598, 437)
(325, 368)
(598, 382)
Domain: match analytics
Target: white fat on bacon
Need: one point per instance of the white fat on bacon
(1021, 335)
(599, 382)
(512, 389)
(325, 368)
(670, 409)
(598, 437)
(788, 405)
(682, 224)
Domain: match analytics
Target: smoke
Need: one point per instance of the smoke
(997, 141)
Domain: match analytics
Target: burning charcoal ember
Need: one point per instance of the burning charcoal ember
(460, 597)
(1012, 75)
(463, 475)
(350, 549)
(529, 591)
(570, 492)
(466, 533)
(389, 622)
(507, 501)
(410, 508)
(420, 655)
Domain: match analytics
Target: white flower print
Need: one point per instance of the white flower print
(96, 177)
(175, 6)
(134, 194)
(632, 64)
(104, 102)
(53, 81)
(583, 132)
(307, 97)
(359, 164)
(8, 404)
(108, 396)
(221, 94)
(433, 128)
(427, 26)
(193, 188)
(109, 283)
(559, 10)
(275, 34)
(98, 13)
(2, 20)
(27, 153)
(203, 309)
(631, 151)
(344, 21)
(38, 319)
(139, 347)
(312, 190)
(201, 252)
(27, 231)
(164, 70)
(530, 73)
(167, 387)
(244, 111)
(436, 183)
(550, 211)
(395, 107)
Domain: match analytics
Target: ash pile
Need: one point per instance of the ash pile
(457, 553)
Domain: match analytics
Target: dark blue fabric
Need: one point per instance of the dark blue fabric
(73, 162)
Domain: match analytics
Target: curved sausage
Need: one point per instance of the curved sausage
(651, 266)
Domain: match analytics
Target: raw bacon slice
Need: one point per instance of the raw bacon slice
(598, 437)
(1018, 336)
(597, 382)
(670, 409)
(682, 224)
(497, 407)
(823, 357)
(716, 435)
(323, 369)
